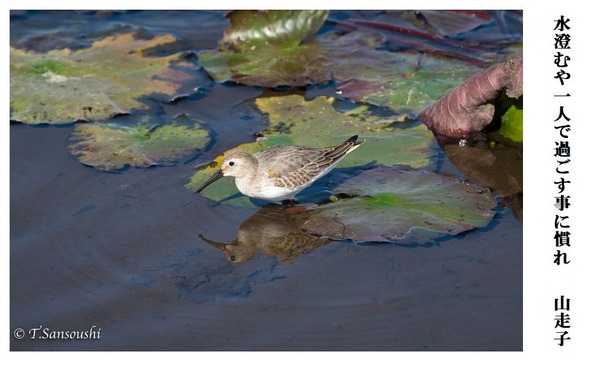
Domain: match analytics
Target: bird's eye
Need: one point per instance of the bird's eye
(231, 163)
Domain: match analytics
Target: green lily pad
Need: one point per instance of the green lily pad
(284, 28)
(111, 146)
(404, 82)
(96, 83)
(511, 125)
(296, 121)
(407, 82)
(268, 48)
(391, 204)
(316, 123)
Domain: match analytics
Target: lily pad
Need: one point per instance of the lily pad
(408, 82)
(285, 28)
(391, 204)
(96, 83)
(111, 146)
(316, 123)
(404, 82)
(460, 22)
(511, 125)
(268, 48)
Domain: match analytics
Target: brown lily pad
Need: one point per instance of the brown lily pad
(95, 83)
(403, 81)
(115, 145)
(391, 204)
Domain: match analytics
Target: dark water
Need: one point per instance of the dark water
(120, 253)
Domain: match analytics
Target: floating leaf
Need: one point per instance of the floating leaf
(391, 204)
(404, 82)
(410, 82)
(284, 28)
(451, 23)
(114, 145)
(268, 65)
(296, 121)
(316, 123)
(95, 83)
(511, 125)
(266, 48)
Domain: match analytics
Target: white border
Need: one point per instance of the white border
(542, 364)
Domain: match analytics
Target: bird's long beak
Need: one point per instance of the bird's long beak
(218, 245)
(213, 179)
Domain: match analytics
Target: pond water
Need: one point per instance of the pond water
(121, 253)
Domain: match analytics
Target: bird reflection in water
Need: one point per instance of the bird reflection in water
(273, 231)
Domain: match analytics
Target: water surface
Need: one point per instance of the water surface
(121, 252)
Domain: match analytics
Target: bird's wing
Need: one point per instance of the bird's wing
(295, 166)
